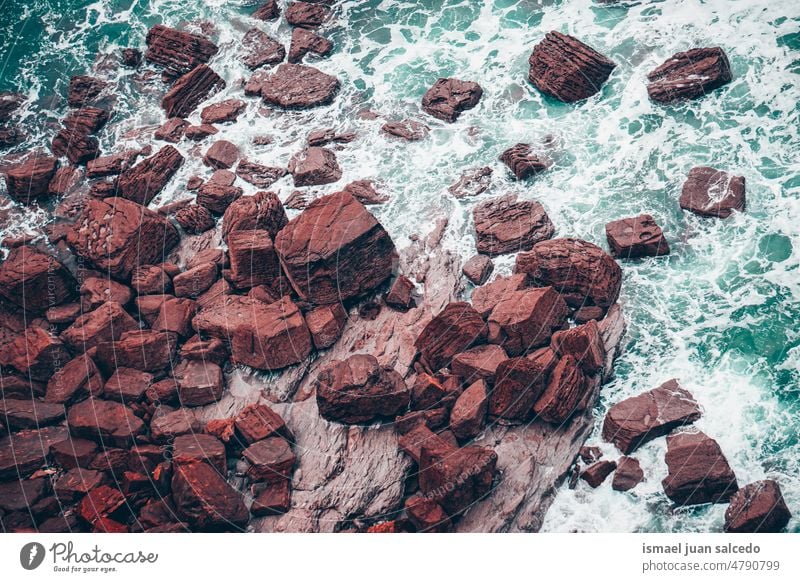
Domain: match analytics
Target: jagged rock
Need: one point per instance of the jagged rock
(204, 500)
(253, 259)
(223, 111)
(563, 67)
(478, 269)
(20, 414)
(271, 460)
(480, 362)
(590, 454)
(326, 324)
(127, 385)
(566, 393)
(64, 180)
(221, 155)
(150, 280)
(698, 471)
(269, 10)
(141, 349)
(200, 132)
(105, 324)
(486, 297)
(447, 99)
(76, 483)
(259, 175)
(175, 316)
(77, 380)
(275, 498)
(190, 90)
(261, 49)
(211, 350)
(195, 219)
(596, 473)
(73, 453)
(519, 382)
(359, 390)
(257, 422)
(628, 474)
(83, 89)
(100, 503)
(427, 393)
(167, 426)
(110, 423)
(584, 344)
(172, 130)
(34, 280)
(298, 87)
(637, 420)
(78, 147)
(97, 290)
(524, 162)
(34, 353)
(689, 75)
(86, 120)
(713, 193)
(179, 52)
(451, 332)
(582, 272)
(636, 237)
(757, 508)
(314, 166)
(469, 411)
(30, 178)
(199, 383)
(335, 250)
(22, 495)
(23, 452)
(131, 58)
(145, 180)
(408, 129)
(524, 320)
(110, 165)
(9, 104)
(263, 211)
(472, 183)
(426, 515)
(117, 235)
(304, 42)
(306, 14)
(401, 295)
(508, 225)
(217, 196)
(457, 479)
(364, 191)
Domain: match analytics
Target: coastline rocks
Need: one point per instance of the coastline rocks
(364, 191)
(306, 14)
(596, 473)
(83, 89)
(358, 390)
(141, 349)
(294, 86)
(563, 67)
(145, 180)
(757, 508)
(200, 447)
(117, 235)
(527, 319)
(31, 178)
(34, 353)
(408, 129)
(23, 452)
(689, 75)
(257, 422)
(565, 394)
(28, 414)
(304, 42)
(171, 130)
(105, 324)
(335, 250)
(194, 219)
(508, 225)
(628, 474)
(469, 411)
(110, 423)
(639, 236)
(485, 297)
(402, 294)
(426, 515)
(584, 343)
(698, 471)
(326, 324)
(269, 10)
(79, 148)
(523, 161)
(582, 272)
(260, 49)
(713, 193)
(457, 327)
(34, 280)
(221, 155)
(262, 211)
(480, 362)
(253, 260)
(131, 58)
(205, 500)
(223, 112)
(199, 383)
(472, 183)
(458, 478)
(314, 166)
(258, 175)
(77, 380)
(637, 420)
(179, 52)
(190, 90)
(447, 99)
(478, 269)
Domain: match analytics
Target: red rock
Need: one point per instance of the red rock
(637, 420)
(563, 67)
(86, 120)
(83, 89)
(194, 219)
(13, 386)
(117, 235)
(519, 382)
(22, 495)
(9, 104)
(427, 515)
(23, 452)
(223, 111)
(407, 129)
(200, 447)
(480, 362)
(127, 385)
(636, 237)
(212, 350)
(326, 324)
(402, 295)
(77, 380)
(110, 459)
(524, 162)
(713, 193)
(266, 337)
(757, 508)
(35, 353)
(595, 474)
(150, 280)
(73, 453)
(100, 503)
(304, 42)
(447, 99)
(199, 383)
(478, 268)
(263, 211)
(584, 343)
(200, 132)
(220, 428)
(358, 390)
(257, 422)
(432, 419)
(78, 147)
(146, 350)
(96, 290)
(30, 178)
(34, 280)
(175, 316)
(253, 259)
(689, 75)
(179, 52)
(145, 180)
(190, 90)
(172, 130)
(418, 436)
(485, 298)
(169, 425)
(76, 483)
(427, 392)
(19, 414)
(110, 423)
(259, 175)
(216, 196)
(131, 58)
(269, 10)
(469, 412)
(451, 332)
(215, 294)
(590, 454)
(271, 460)
(472, 182)
(314, 166)
(204, 500)
(335, 250)
(261, 49)
(195, 281)
(566, 392)
(64, 180)
(628, 474)
(63, 314)
(507, 225)
(274, 499)
(527, 319)
(221, 155)
(698, 471)
(364, 191)
(457, 479)
(306, 14)
(110, 165)
(298, 87)
(106, 323)
(582, 272)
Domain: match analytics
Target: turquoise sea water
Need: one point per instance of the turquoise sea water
(720, 313)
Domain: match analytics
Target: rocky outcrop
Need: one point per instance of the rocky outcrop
(145, 180)
(698, 471)
(757, 508)
(306, 14)
(563, 67)
(269, 10)
(713, 193)
(190, 90)
(314, 166)
(524, 162)
(261, 49)
(304, 42)
(635, 237)
(508, 225)
(451, 332)
(178, 52)
(35, 281)
(29, 179)
(689, 75)
(526, 320)
(298, 87)
(447, 99)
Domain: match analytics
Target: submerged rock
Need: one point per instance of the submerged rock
(472, 183)
(261, 49)
(304, 42)
(447, 99)
(689, 75)
(524, 162)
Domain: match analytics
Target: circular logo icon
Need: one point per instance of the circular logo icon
(31, 555)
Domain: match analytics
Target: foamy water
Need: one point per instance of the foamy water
(719, 313)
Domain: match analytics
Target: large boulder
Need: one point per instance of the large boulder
(30, 178)
(298, 87)
(451, 332)
(179, 52)
(18, 414)
(582, 272)
(262, 211)
(638, 236)
(259, 49)
(24, 452)
(757, 508)
(304, 42)
(628, 474)
(105, 324)
(204, 500)
(584, 343)
(713, 193)
(253, 260)
(689, 75)
(563, 67)
(110, 423)
(485, 298)
(637, 420)
(145, 180)
(83, 89)
(698, 471)
(335, 250)
(457, 479)
(35, 353)
(117, 235)
(306, 14)
(359, 390)
(271, 460)
(199, 383)
(524, 161)
(77, 380)
(525, 320)
(314, 166)
(257, 422)
(480, 362)
(518, 384)
(35, 280)
(566, 392)
(141, 349)
(447, 99)
(190, 90)
(469, 411)
(79, 148)
(508, 225)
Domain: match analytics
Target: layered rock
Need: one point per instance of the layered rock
(519, 382)
(83, 89)
(190, 90)
(204, 500)
(508, 225)
(689, 75)
(584, 343)
(469, 411)
(259, 175)
(260, 49)
(179, 52)
(524, 162)
(636, 237)
(306, 14)
(262, 211)
(757, 508)
(34, 353)
(478, 269)
(698, 471)
(304, 42)
(271, 460)
(145, 180)
(105, 324)
(298, 87)
(597, 472)
(472, 182)
(221, 155)
(30, 179)
(457, 327)
(457, 479)
(253, 260)
(314, 166)
(713, 193)
(524, 320)
(628, 474)
(447, 99)
(223, 111)
(408, 129)
(198, 383)
(110, 423)
(141, 349)
(34, 280)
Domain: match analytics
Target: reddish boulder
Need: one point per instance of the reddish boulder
(98, 290)
(145, 180)
(83, 89)
(757, 508)
(195, 219)
(204, 499)
(190, 90)
(259, 175)
(298, 87)
(78, 147)
(73, 453)
(457, 479)
(18, 414)
(519, 382)
(306, 14)
(34, 280)
(179, 52)
(195, 281)
(269, 10)
(689, 75)
(358, 390)
(221, 155)
(326, 324)
(486, 297)
(140, 349)
(304, 42)
(636, 237)
(260, 49)
(200, 132)
(77, 380)
(478, 268)
(507, 225)
(100, 503)
(131, 58)
(110, 423)
(584, 343)
(223, 111)
(469, 412)
(314, 167)
(275, 498)
(168, 425)
(263, 211)
(451, 332)
(480, 362)
(76, 483)
(257, 422)
(364, 191)
(402, 295)
(30, 178)
(172, 130)
(210, 350)
(200, 447)
(628, 474)
(86, 120)
(426, 515)
(199, 383)
(419, 435)
(150, 280)
(527, 319)
(106, 323)
(22, 495)
(35, 353)
(447, 99)
(637, 420)
(427, 392)
(217, 196)
(713, 193)
(175, 316)
(563, 67)
(408, 129)
(253, 260)
(127, 385)
(335, 250)
(596, 473)
(566, 392)
(523, 161)
(110, 165)
(698, 471)
(271, 460)
(24, 452)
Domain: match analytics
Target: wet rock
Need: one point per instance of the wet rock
(64, 180)
(451, 332)
(110, 165)
(584, 344)
(335, 250)
(486, 297)
(590, 454)
(427, 515)
(519, 382)
(636, 237)
(628, 474)
(269, 10)
(637, 420)
(199, 383)
(30, 178)
(23, 452)
(166, 426)
(200, 132)
(274, 499)
(262, 211)
(259, 175)
(105, 324)
(172, 130)
(298, 87)
(223, 112)
(689, 75)
(757, 508)
(110, 423)
(145, 180)
(524, 162)
(86, 120)
(596, 473)
(253, 259)
(204, 500)
(217, 196)
(447, 99)
(524, 320)
(117, 235)
(221, 155)
(472, 183)
(402, 295)
(566, 393)
(713, 193)
(478, 363)
(140, 349)
(150, 280)
(408, 129)
(34, 353)
(582, 272)
(79, 148)
(587, 314)
(179, 52)
(22, 495)
(34, 280)
(478, 269)
(257, 422)
(563, 67)
(127, 385)
(195, 219)
(469, 412)
(83, 89)
(508, 225)
(698, 471)
(190, 90)
(304, 42)
(22, 414)
(261, 49)
(271, 460)
(200, 447)
(9, 105)
(77, 380)
(100, 503)
(326, 324)
(457, 479)
(131, 58)
(306, 14)
(314, 167)
(364, 191)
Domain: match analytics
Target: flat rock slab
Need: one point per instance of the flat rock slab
(698, 470)
(447, 99)
(27, 413)
(23, 452)
(638, 236)
(713, 193)
(294, 86)
(508, 225)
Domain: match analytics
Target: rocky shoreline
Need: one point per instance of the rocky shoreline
(131, 337)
